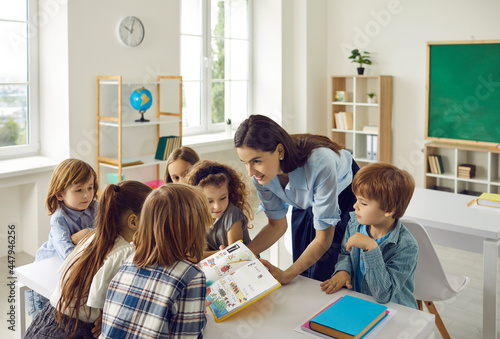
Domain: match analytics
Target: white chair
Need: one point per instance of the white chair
(432, 283)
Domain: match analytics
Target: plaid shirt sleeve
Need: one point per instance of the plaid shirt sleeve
(190, 319)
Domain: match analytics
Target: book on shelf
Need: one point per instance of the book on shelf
(347, 318)
(370, 129)
(348, 120)
(432, 166)
(235, 279)
(441, 188)
(489, 199)
(339, 120)
(344, 120)
(375, 147)
(369, 147)
(436, 164)
(470, 192)
(166, 145)
(467, 171)
(439, 161)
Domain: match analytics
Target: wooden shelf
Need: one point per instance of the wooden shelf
(373, 114)
(116, 120)
(132, 123)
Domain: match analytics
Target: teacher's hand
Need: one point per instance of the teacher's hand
(277, 273)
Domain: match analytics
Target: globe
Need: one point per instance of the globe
(141, 100)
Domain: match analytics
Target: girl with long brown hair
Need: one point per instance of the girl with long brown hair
(160, 291)
(74, 309)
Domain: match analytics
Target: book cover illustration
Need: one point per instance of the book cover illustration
(243, 286)
(225, 261)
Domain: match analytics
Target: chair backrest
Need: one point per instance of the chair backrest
(431, 282)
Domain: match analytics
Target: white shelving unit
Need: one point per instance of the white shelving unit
(126, 127)
(486, 160)
(377, 114)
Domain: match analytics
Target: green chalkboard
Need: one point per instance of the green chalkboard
(464, 91)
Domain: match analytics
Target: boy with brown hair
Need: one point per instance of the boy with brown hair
(378, 255)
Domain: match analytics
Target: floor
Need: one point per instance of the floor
(462, 315)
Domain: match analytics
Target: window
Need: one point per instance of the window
(18, 80)
(215, 58)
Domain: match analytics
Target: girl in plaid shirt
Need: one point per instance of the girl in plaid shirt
(160, 291)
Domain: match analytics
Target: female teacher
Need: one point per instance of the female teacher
(313, 175)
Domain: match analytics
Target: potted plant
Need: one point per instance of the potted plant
(228, 127)
(371, 98)
(361, 59)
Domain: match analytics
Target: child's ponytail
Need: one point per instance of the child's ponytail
(114, 202)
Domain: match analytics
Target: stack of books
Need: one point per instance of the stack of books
(436, 164)
(343, 121)
(466, 171)
(166, 145)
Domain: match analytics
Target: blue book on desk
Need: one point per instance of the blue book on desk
(348, 318)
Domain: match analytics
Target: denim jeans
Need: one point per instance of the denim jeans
(34, 303)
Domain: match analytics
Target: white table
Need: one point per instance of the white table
(280, 312)
(451, 223)
(42, 277)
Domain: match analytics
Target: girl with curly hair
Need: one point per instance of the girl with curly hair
(227, 197)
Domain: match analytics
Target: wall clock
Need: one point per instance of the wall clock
(131, 31)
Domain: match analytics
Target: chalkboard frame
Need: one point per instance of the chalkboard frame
(433, 136)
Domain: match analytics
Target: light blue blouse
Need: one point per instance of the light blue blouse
(63, 224)
(318, 183)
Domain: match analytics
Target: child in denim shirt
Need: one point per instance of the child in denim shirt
(71, 200)
(379, 255)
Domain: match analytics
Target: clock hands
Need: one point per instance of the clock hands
(132, 27)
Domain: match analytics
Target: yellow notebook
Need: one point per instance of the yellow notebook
(235, 279)
(489, 199)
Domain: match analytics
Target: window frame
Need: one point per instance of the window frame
(206, 125)
(33, 135)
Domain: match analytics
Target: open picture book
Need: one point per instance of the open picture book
(235, 279)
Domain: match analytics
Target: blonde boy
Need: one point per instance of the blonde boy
(379, 255)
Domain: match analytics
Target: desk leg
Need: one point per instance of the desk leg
(490, 257)
(21, 310)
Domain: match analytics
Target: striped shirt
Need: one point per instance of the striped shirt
(155, 302)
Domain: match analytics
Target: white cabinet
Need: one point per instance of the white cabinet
(121, 142)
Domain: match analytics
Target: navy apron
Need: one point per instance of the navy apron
(303, 232)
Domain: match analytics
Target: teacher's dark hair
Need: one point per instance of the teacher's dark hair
(262, 133)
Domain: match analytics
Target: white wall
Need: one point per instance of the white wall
(22, 202)
(396, 33)
(95, 50)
